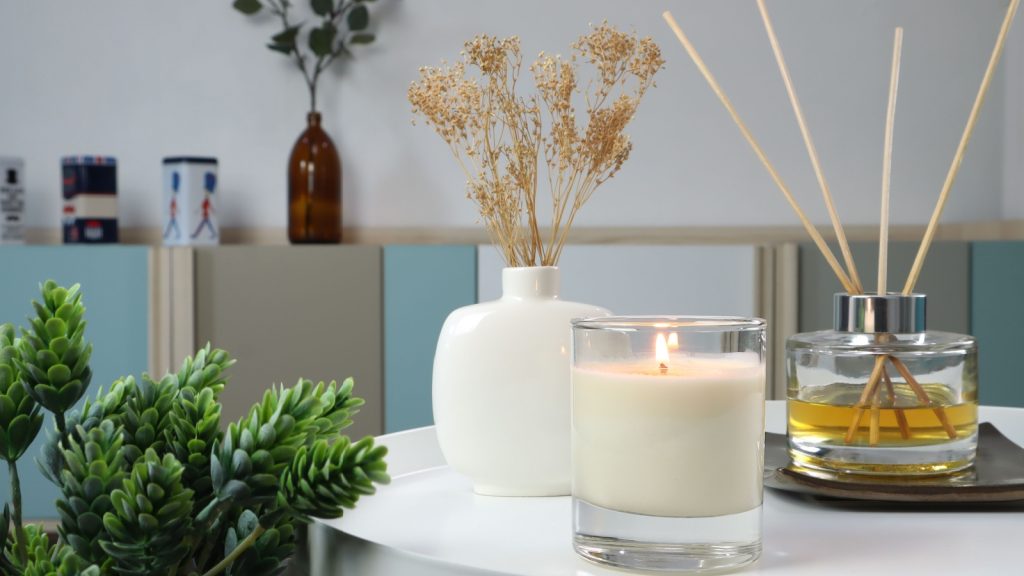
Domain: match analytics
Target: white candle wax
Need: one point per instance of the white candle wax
(685, 443)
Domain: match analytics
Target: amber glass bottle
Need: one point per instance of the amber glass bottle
(314, 188)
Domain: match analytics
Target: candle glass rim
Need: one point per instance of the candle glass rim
(691, 324)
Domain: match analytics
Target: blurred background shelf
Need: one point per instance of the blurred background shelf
(373, 312)
(642, 235)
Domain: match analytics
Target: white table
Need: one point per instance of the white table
(429, 523)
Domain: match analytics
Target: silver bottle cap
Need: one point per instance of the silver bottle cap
(871, 313)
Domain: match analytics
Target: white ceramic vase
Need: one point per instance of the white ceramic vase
(501, 387)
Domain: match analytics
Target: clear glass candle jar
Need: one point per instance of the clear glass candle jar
(881, 395)
(668, 441)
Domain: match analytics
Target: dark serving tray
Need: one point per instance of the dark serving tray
(997, 476)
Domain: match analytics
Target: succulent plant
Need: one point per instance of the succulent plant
(20, 415)
(325, 479)
(107, 406)
(8, 556)
(255, 451)
(146, 416)
(194, 427)
(266, 556)
(195, 417)
(53, 356)
(46, 559)
(151, 518)
(20, 421)
(95, 468)
(149, 483)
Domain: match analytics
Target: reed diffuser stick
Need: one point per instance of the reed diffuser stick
(883, 235)
(876, 417)
(890, 120)
(922, 396)
(865, 396)
(958, 158)
(812, 151)
(844, 279)
(901, 418)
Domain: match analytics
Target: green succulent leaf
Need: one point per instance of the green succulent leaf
(95, 467)
(325, 479)
(53, 358)
(147, 528)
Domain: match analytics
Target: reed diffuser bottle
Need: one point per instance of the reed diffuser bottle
(880, 394)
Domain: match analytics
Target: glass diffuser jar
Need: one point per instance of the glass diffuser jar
(881, 395)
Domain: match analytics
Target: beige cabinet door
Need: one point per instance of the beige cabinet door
(286, 312)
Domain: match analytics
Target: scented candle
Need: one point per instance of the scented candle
(667, 431)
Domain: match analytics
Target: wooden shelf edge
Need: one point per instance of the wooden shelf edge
(963, 231)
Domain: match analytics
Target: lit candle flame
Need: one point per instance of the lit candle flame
(661, 353)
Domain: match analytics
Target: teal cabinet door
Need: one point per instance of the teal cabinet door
(422, 285)
(115, 286)
(997, 312)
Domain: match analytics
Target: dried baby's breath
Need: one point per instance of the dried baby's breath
(499, 137)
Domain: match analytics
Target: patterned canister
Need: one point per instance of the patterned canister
(190, 197)
(12, 200)
(90, 199)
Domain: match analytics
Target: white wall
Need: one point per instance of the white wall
(1013, 130)
(141, 80)
(651, 280)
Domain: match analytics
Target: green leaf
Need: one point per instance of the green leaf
(248, 7)
(358, 18)
(56, 327)
(58, 375)
(45, 359)
(148, 522)
(321, 40)
(59, 345)
(286, 37)
(57, 296)
(7, 410)
(18, 432)
(322, 7)
(362, 39)
(247, 522)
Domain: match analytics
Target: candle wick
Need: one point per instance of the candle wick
(663, 368)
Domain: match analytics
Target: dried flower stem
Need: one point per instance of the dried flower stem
(498, 137)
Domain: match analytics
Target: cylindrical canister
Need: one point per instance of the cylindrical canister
(90, 199)
(189, 201)
(12, 200)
